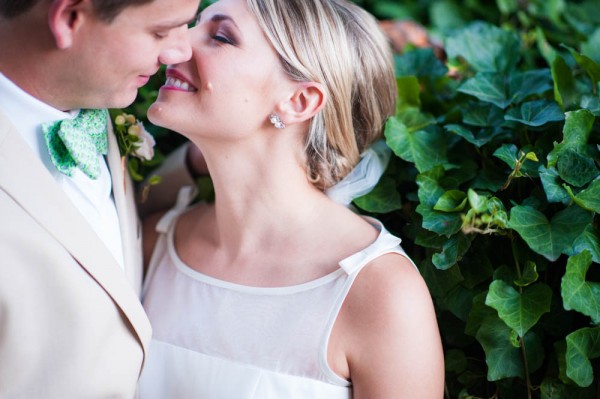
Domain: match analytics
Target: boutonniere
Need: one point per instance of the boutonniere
(136, 146)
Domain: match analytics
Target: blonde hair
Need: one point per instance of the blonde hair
(338, 44)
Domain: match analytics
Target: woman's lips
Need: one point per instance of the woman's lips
(176, 81)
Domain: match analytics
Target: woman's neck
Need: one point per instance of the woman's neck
(262, 195)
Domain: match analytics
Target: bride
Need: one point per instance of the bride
(274, 290)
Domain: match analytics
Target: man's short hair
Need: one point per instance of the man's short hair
(107, 9)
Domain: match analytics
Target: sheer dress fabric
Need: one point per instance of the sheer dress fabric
(218, 340)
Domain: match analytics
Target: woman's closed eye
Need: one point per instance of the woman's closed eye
(223, 39)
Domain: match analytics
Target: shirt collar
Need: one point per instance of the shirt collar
(27, 114)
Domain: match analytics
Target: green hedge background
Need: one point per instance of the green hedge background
(495, 187)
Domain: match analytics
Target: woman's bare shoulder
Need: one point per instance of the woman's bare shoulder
(391, 321)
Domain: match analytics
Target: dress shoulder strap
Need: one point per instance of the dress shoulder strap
(184, 198)
(385, 243)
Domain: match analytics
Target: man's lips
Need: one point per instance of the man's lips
(142, 79)
(176, 81)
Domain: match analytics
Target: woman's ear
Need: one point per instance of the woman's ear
(64, 18)
(304, 103)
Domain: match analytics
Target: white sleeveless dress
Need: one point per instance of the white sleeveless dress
(213, 339)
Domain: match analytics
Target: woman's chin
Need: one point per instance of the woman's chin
(157, 114)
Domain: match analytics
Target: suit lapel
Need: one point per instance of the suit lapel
(25, 178)
(124, 196)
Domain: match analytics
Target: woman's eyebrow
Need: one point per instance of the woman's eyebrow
(219, 18)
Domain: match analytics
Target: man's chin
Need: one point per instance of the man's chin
(125, 100)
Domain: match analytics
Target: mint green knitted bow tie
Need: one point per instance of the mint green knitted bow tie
(76, 143)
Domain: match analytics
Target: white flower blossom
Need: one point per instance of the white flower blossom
(144, 147)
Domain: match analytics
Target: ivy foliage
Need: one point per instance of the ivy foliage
(495, 188)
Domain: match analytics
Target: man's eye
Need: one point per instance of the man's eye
(160, 35)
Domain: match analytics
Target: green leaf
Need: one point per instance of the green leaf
(536, 113)
(439, 222)
(383, 198)
(552, 388)
(582, 345)
(560, 347)
(552, 184)
(458, 302)
(420, 63)
(591, 47)
(508, 154)
(440, 282)
(589, 240)
(576, 133)
(551, 10)
(578, 126)
(133, 166)
(446, 15)
(488, 87)
(588, 198)
(426, 149)
(535, 351)
(525, 84)
(589, 66)
(503, 90)
(490, 178)
(565, 92)
(482, 114)
(430, 189)
(206, 189)
(549, 239)
(485, 47)
(479, 137)
(455, 361)
(154, 180)
(529, 275)
(476, 267)
(575, 168)
(429, 239)
(451, 201)
(545, 49)
(452, 251)
(414, 119)
(409, 92)
(519, 311)
(479, 312)
(477, 201)
(577, 293)
(507, 6)
(591, 103)
(502, 358)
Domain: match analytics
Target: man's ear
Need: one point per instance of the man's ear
(304, 103)
(64, 18)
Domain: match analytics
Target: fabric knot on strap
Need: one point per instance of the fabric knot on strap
(77, 143)
(355, 262)
(184, 198)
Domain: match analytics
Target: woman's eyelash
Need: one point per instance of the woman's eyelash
(222, 39)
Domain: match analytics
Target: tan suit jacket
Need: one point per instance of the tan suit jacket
(71, 323)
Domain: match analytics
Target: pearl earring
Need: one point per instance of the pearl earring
(276, 121)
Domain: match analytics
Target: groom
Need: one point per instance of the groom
(71, 324)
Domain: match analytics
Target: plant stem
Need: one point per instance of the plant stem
(526, 365)
(514, 252)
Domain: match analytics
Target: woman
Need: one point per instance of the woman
(276, 291)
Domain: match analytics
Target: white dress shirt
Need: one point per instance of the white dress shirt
(93, 198)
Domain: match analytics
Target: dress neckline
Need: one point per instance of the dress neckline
(347, 265)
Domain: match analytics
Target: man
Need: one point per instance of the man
(71, 324)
